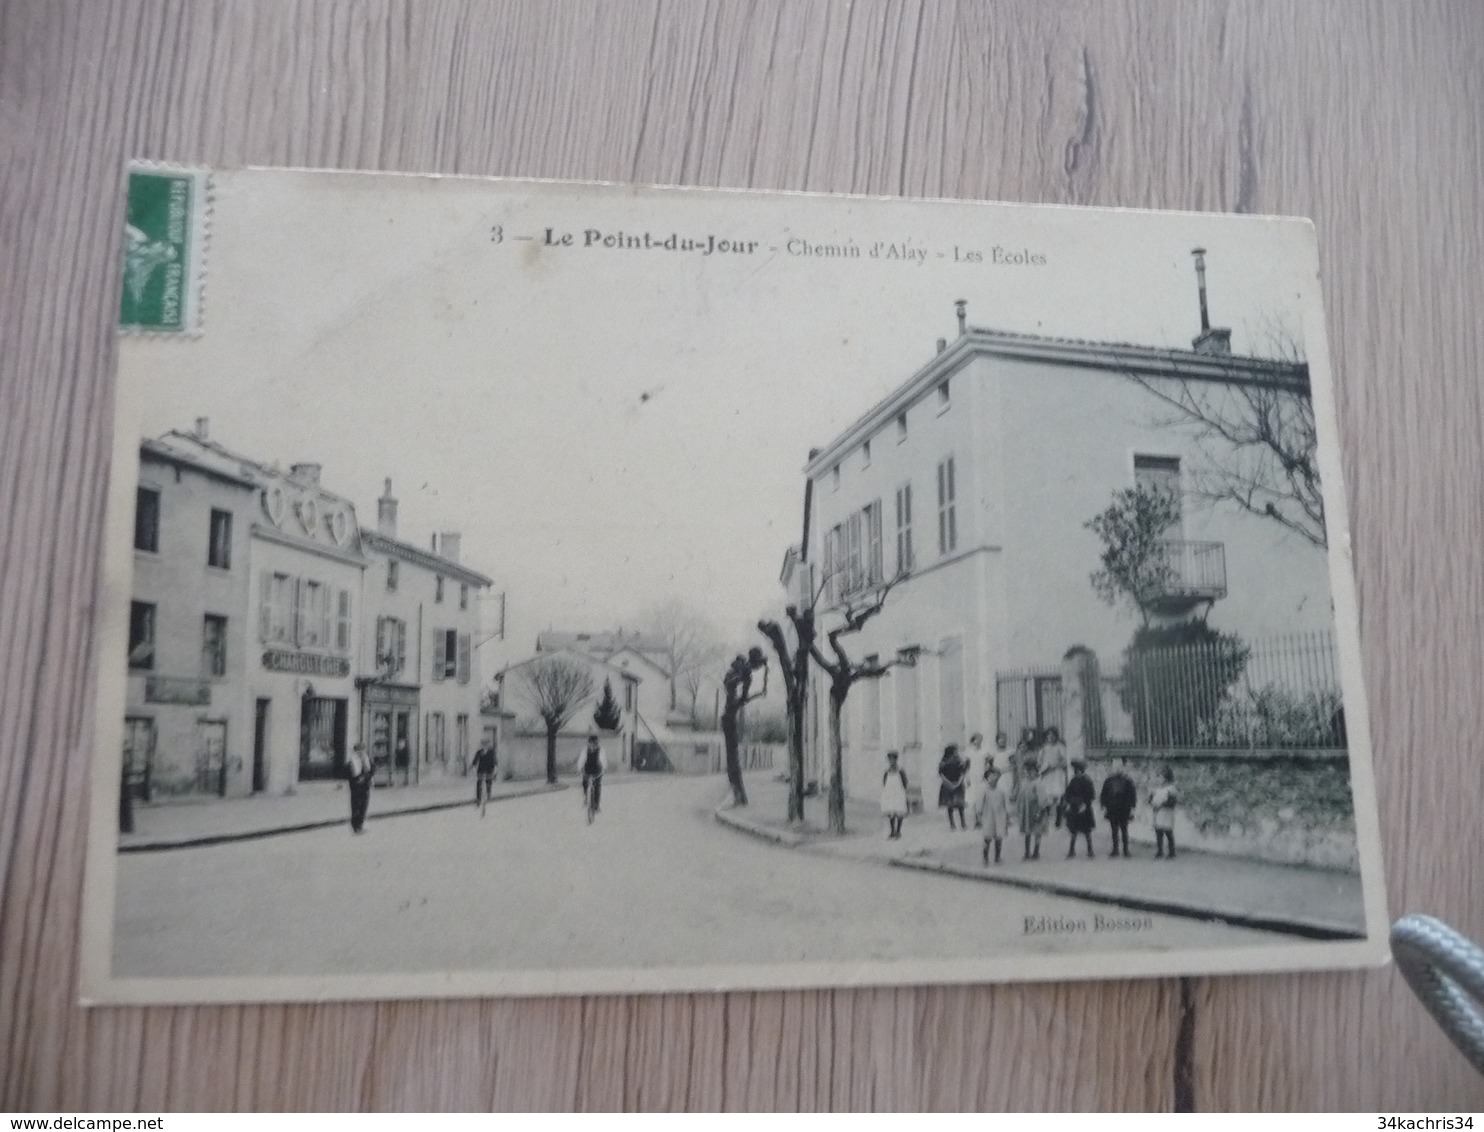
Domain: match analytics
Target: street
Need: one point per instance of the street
(655, 881)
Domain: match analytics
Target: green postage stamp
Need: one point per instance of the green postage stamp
(164, 249)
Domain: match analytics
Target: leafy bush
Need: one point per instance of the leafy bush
(1175, 679)
(1276, 717)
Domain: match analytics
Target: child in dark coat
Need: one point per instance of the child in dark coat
(1077, 802)
(1118, 798)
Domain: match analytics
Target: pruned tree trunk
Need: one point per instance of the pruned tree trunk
(797, 706)
(734, 761)
(837, 759)
(551, 737)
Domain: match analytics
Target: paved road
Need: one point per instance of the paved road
(655, 881)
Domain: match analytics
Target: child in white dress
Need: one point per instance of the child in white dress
(1163, 801)
(893, 796)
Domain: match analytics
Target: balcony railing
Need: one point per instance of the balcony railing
(1196, 572)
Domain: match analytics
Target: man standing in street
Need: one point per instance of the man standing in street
(358, 771)
(484, 774)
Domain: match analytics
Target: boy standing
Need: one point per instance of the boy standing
(1118, 799)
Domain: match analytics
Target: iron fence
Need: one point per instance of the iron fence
(1028, 698)
(1276, 693)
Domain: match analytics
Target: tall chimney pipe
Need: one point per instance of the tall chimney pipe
(201, 423)
(386, 512)
(1200, 280)
(961, 306)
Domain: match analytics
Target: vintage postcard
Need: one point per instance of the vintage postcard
(536, 588)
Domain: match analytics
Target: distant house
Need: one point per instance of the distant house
(522, 732)
(975, 478)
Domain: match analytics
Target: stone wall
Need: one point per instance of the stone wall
(1291, 807)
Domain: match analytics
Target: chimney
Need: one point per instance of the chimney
(1210, 340)
(961, 307)
(386, 512)
(449, 542)
(201, 423)
(305, 473)
(942, 344)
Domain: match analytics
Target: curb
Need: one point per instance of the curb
(321, 823)
(1309, 929)
(723, 814)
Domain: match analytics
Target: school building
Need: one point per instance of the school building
(975, 479)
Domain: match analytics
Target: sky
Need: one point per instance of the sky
(611, 428)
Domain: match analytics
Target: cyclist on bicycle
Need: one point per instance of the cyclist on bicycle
(593, 766)
(484, 772)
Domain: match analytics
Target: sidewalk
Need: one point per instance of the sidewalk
(1314, 903)
(315, 805)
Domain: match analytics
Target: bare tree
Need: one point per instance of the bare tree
(1135, 561)
(558, 687)
(1256, 435)
(843, 673)
(738, 685)
(694, 644)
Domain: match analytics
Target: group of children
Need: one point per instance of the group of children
(1040, 785)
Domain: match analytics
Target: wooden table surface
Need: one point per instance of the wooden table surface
(1364, 116)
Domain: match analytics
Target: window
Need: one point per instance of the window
(905, 680)
(835, 478)
(831, 563)
(854, 574)
(141, 635)
(463, 595)
(451, 655)
(147, 520)
(434, 749)
(866, 454)
(214, 645)
(275, 608)
(904, 528)
(1159, 474)
(943, 400)
(871, 520)
(871, 708)
(219, 545)
(342, 621)
(391, 645)
(901, 426)
(628, 695)
(461, 737)
(312, 615)
(438, 589)
(391, 575)
(947, 519)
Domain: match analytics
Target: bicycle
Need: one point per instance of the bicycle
(590, 793)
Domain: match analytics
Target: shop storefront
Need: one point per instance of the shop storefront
(389, 723)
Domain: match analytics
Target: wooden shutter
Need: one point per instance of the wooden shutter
(463, 660)
(265, 606)
(440, 652)
(401, 643)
